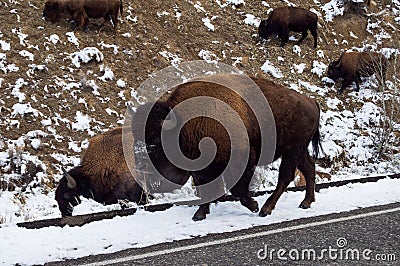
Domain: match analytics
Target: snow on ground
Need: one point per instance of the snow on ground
(27, 246)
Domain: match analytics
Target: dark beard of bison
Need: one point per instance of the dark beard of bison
(263, 31)
(155, 172)
(332, 71)
(68, 194)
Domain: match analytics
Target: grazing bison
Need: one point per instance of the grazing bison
(285, 19)
(81, 10)
(102, 175)
(296, 120)
(351, 66)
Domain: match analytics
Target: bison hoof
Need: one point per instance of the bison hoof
(198, 217)
(264, 213)
(250, 204)
(304, 206)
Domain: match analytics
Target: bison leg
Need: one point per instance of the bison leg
(241, 188)
(80, 19)
(202, 212)
(207, 193)
(357, 81)
(307, 167)
(345, 84)
(284, 36)
(314, 33)
(114, 19)
(286, 175)
(303, 36)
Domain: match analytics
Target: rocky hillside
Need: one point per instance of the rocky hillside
(59, 87)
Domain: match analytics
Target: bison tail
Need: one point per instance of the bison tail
(316, 143)
(316, 140)
(120, 7)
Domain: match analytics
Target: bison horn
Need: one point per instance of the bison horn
(71, 183)
(170, 121)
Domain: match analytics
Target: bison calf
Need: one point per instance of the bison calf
(102, 175)
(285, 19)
(351, 66)
(81, 10)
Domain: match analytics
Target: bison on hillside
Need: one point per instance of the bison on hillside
(351, 66)
(285, 19)
(295, 120)
(103, 175)
(80, 11)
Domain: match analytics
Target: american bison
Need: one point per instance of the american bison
(81, 10)
(285, 19)
(351, 66)
(296, 120)
(103, 175)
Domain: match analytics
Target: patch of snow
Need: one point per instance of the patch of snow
(108, 73)
(333, 9)
(299, 67)
(112, 46)
(35, 143)
(208, 56)
(252, 20)
(23, 109)
(121, 83)
(5, 46)
(208, 24)
(174, 59)
(297, 49)
(72, 38)
(54, 38)
(319, 68)
(25, 53)
(333, 103)
(82, 122)
(86, 55)
(269, 68)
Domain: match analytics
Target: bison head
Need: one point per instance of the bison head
(155, 171)
(68, 192)
(263, 30)
(51, 11)
(334, 70)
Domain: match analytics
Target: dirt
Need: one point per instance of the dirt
(153, 27)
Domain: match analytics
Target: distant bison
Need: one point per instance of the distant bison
(351, 66)
(103, 175)
(81, 10)
(295, 121)
(285, 19)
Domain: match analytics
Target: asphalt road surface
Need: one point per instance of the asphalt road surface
(367, 236)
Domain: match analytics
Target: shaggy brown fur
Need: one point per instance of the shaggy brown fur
(102, 175)
(285, 19)
(351, 66)
(297, 124)
(81, 10)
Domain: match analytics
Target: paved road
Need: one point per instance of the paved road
(367, 236)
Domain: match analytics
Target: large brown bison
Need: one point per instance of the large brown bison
(103, 175)
(285, 19)
(296, 119)
(81, 10)
(351, 66)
